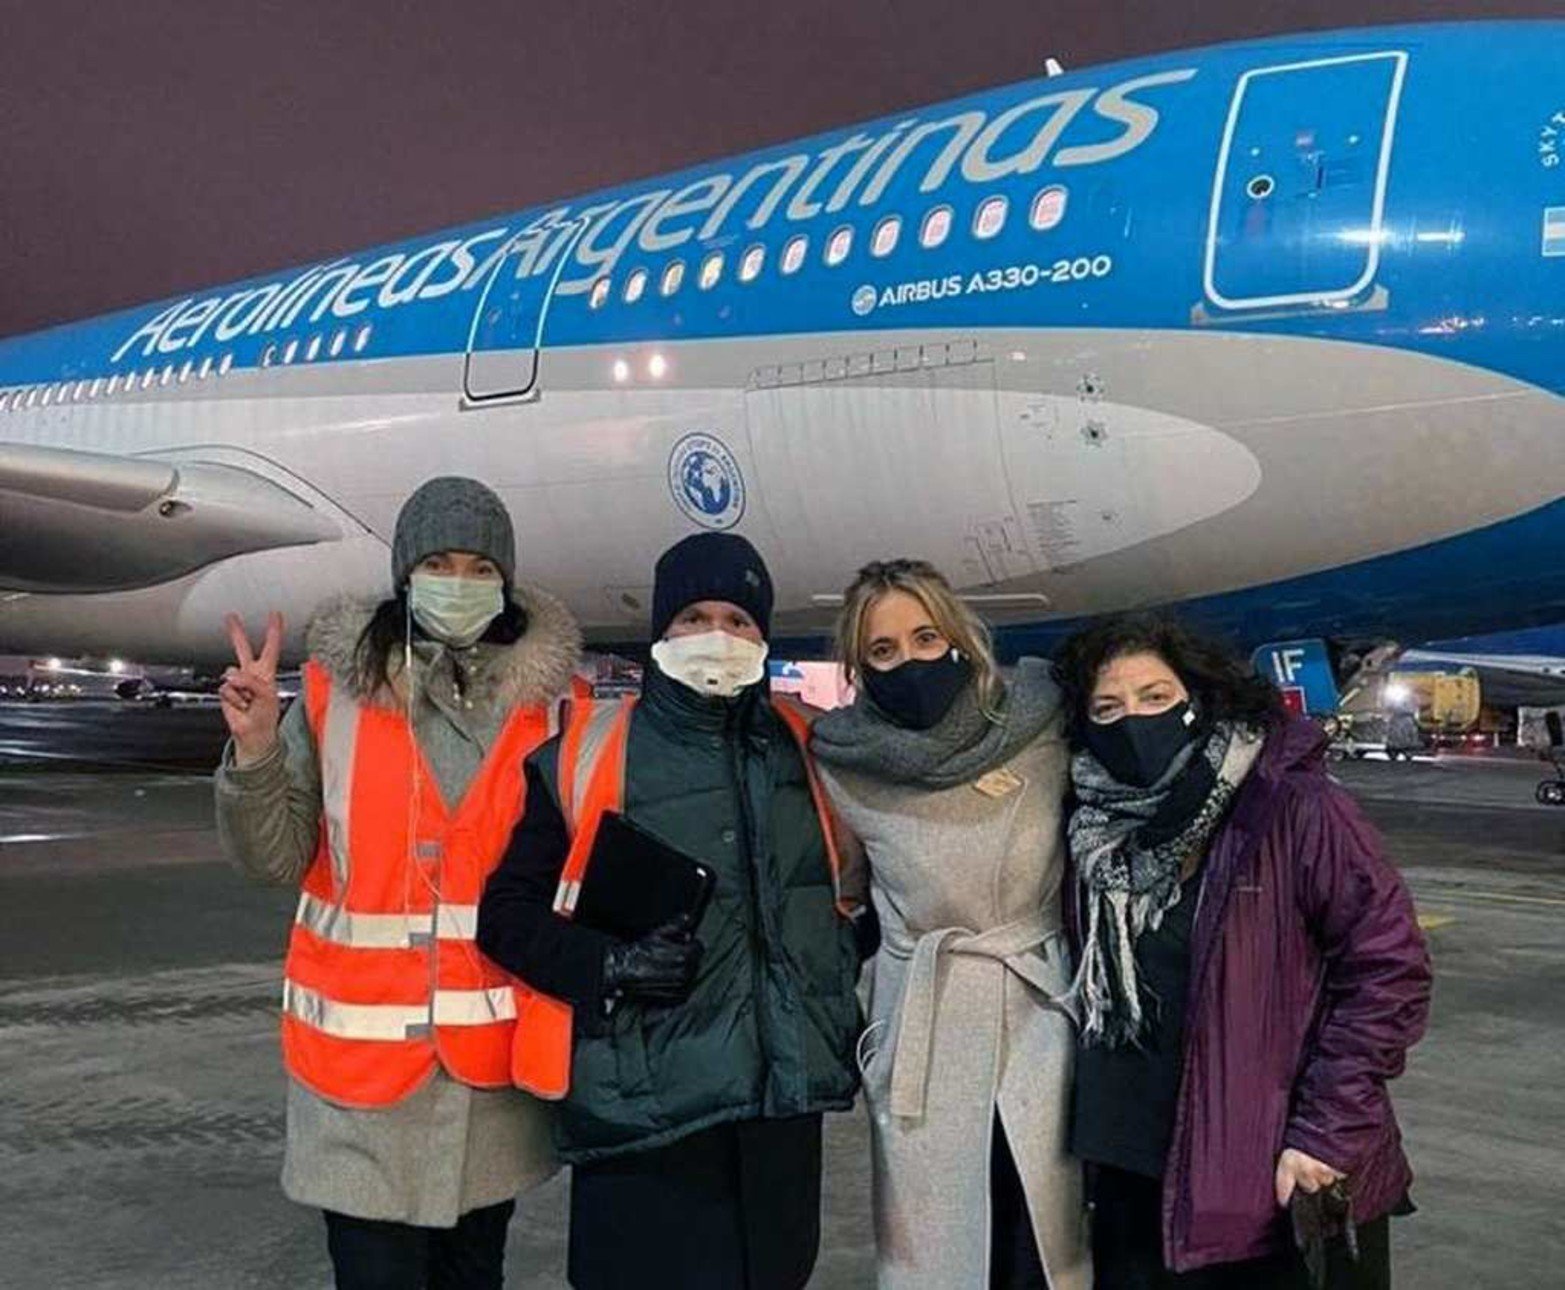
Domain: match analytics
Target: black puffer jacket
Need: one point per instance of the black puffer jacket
(770, 1027)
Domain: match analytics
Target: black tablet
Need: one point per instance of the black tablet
(636, 882)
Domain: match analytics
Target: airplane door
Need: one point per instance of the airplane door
(1300, 187)
(507, 330)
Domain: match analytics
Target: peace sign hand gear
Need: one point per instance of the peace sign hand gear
(251, 706)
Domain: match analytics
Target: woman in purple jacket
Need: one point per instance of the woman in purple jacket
(1252, 975)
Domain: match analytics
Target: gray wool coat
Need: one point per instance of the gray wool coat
(445, 1149)
(964, 1024)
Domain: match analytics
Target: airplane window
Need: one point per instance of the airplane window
(226, 366)
(937, 227)
(206, 368)
(711, 270)
(793, 253)
(752, 263)
(635, 286)
(362, 338)
(314, 352)
(673, 276)
(600, 294)
(886, 234)
(990, 217)
(1048, 208)
(841, 243)
(338, 341)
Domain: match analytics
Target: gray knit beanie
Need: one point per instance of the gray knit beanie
(452, 514)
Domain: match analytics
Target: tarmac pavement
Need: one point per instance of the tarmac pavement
(141, 1093)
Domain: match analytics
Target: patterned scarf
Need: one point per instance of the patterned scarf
(1129, 846)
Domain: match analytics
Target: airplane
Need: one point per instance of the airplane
(1273, 330)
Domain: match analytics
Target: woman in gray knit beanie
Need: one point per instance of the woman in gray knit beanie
(387, 794)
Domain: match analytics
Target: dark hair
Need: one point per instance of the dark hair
(1222, 683)
(383, 636)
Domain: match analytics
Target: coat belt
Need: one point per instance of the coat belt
(1012, 945)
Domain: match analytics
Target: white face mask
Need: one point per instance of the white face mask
(453, 609)
(713, 663)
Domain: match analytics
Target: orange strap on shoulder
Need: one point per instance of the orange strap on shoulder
(605, 792)
(799, 719)
(541, 1054)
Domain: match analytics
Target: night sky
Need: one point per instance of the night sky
(155, 147)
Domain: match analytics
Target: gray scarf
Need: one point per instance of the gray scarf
(964, 746)
(1129, 846)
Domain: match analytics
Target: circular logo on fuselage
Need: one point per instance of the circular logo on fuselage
(864, 300)
(705, 481)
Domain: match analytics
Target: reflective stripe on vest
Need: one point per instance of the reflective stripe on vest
(385, 931)
(393, 1021)
(384, 980)
(591, 780)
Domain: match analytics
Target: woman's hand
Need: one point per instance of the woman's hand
(1295, 1170)
(249, 691)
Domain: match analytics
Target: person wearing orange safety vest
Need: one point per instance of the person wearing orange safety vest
(691, 1066)
(387, 795)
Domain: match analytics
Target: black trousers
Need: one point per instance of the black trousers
(368, 1254)
(1014, 1263)
(735, 1207)
(1127, 1248)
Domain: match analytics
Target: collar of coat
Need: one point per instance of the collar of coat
(536, 669)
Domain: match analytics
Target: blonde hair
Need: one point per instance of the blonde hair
(951, 617)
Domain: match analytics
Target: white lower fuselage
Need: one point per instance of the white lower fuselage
(1053, 473)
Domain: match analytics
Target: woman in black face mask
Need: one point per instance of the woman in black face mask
(1252, 974)
(953, 778)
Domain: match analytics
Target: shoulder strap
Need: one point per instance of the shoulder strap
(591, 781)
(800, 717)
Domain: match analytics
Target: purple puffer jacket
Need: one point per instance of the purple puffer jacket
(1309, 982)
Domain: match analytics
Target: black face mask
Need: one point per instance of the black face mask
(1139, 750)
(918, 693)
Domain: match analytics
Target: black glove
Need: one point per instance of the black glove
(1322, 1219)
(659, 968)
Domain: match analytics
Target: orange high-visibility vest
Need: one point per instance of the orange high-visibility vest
(591, 780)
(383, 979)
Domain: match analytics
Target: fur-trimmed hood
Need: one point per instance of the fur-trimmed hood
(536, 669)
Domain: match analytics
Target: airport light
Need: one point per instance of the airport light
(117, 666)
(53, 665)
(621, 371)
(657, 366)
(1396, 695)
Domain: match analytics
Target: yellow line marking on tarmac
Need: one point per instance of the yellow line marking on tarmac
(1500, 896)
(1431, 921)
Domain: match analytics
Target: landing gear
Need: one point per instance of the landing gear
(1551, 792)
